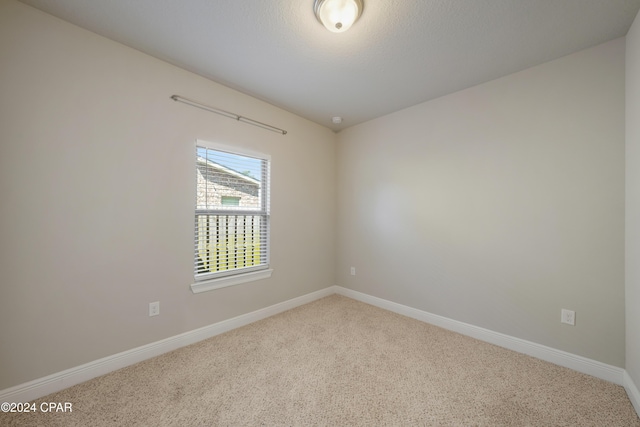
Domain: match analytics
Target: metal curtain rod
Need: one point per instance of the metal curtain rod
(228, 114)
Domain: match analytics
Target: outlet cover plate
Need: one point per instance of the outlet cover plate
(154, 308)
(568, 317)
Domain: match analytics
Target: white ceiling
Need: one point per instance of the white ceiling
(400, 53)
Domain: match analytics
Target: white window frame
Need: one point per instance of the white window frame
(245, 274)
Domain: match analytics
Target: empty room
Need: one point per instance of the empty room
(320, 212)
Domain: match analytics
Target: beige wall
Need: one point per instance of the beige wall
(97, 189)
(498, 205)
(633, 202)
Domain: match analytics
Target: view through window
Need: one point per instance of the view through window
(232, 213)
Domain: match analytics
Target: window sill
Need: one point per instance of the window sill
(223, 282)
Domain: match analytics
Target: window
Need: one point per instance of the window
(230, 201)
(231, 217)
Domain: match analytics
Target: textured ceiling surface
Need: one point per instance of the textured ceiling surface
(400, 53)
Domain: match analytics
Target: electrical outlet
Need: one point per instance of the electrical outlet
(568, 317)
(154, 308)
(353, 271)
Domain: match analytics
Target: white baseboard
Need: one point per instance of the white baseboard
(61, 380)
(632, 391)
(558, 357)
(43, 386)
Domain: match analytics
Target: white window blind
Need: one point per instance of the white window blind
(231, 215)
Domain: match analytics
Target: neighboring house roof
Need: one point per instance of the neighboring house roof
(229, 171)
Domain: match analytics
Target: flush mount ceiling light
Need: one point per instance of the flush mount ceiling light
(338, 15)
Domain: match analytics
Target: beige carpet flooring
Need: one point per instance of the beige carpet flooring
(339, 362)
